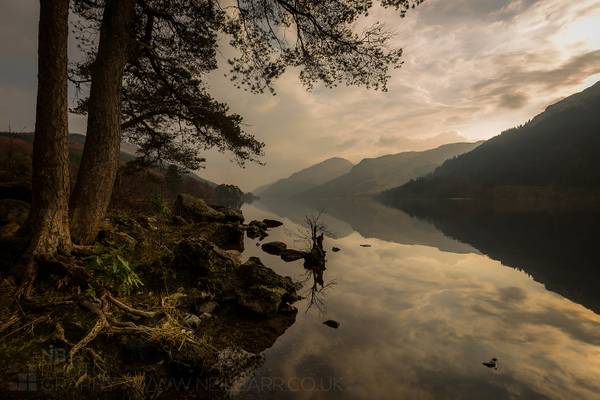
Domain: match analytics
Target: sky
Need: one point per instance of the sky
(472, 68)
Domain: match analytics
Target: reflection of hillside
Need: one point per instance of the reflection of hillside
(557, 248)
(296, 212)
(369, 218)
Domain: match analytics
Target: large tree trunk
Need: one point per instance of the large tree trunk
(49, 214)
(100, 160)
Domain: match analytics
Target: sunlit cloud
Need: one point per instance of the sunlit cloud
(472, 67)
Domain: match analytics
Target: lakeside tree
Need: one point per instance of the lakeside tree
(49, 213)
(147, 75)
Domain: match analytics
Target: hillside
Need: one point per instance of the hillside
(553, 155)
(307, 178)
(133, 187)
(373, 175)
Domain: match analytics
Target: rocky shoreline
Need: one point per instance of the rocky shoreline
(208, 313)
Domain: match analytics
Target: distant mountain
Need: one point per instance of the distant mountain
(555, 155)
(307, 178)
(374, 175)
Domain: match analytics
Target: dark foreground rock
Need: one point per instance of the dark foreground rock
(274, 248)
(289, 255)
(230, 214)
(250, 285)
(272, 223)
(256, 230)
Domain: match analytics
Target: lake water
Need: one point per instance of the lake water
(435, 295)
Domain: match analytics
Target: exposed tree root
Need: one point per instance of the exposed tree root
(129, 309)
(13, 319)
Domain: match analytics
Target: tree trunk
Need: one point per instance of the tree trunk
(49, 215)
(100, 160)
(48, 222)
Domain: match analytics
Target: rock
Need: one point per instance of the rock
(263, 291)
(179, 220)
(332, 324)
(198, 258)
(289, 255)
(228, 236)
(274, 248)
(272, 223)
(230, 214)
(196, 210)
(365, 245)
(315, 258)
(335, 249)
(256, 229)
(251, 285)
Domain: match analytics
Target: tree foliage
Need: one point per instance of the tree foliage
(166, 105)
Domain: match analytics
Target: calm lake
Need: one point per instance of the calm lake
(438, 292)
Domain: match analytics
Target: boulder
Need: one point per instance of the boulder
(261, 290)
(230, 214)
(272, 223)
(250, 285)
(274, 248)
(256, 229)
(194, 209)
(289, 255)
(229, 236)
(198, 259)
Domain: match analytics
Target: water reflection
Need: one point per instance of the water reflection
(417, 323)
(367, 217)
(557, 247)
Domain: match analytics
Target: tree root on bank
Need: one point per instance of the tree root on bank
(13, 319)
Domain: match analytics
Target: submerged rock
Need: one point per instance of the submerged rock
(289, 255)
(272, 223)
(274, 248)
(332, 324)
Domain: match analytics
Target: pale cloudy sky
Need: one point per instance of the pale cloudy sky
(472, 69)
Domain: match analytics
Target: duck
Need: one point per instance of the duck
(492, 363)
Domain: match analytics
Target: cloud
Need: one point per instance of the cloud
(472, 67)
(417, 144)
(513, 100)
